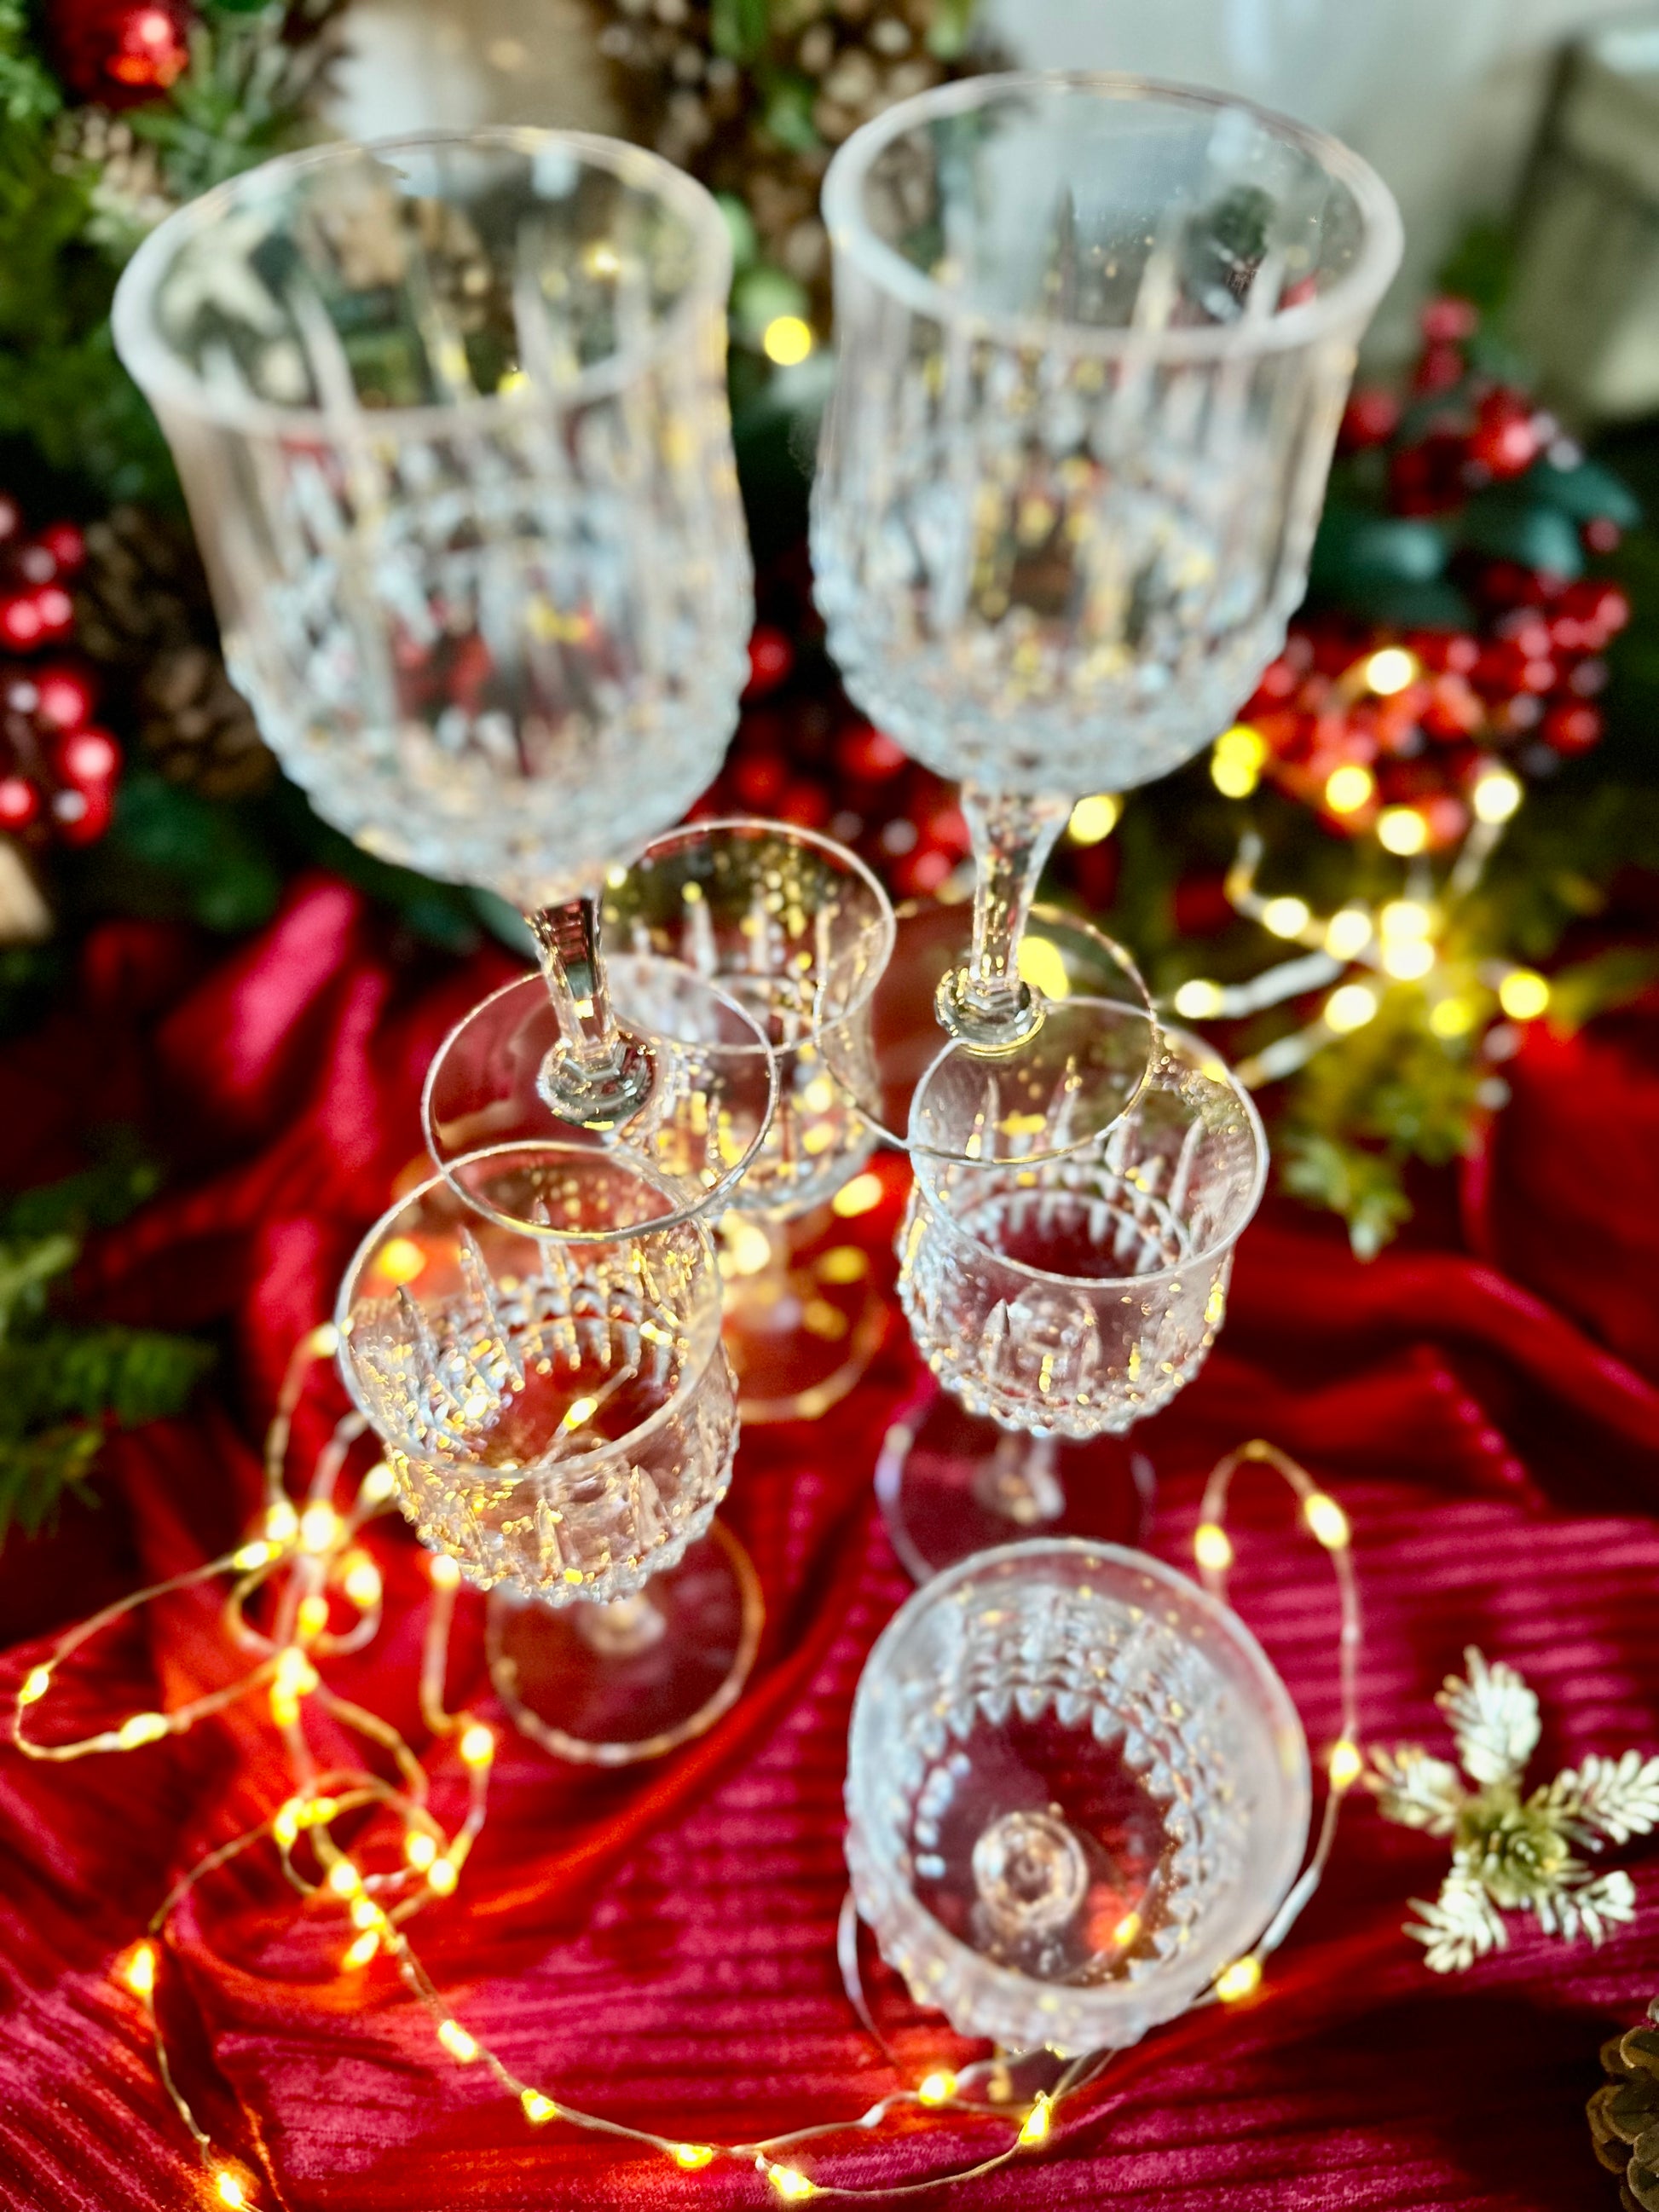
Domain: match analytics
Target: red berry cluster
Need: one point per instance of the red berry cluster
(57, 771)
(808, 757)
(1524, 687)
(1520, 681)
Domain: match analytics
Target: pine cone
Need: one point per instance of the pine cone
(142, 589)
(848, 60)
(130, 194)
(1624, 2115)
(199, 729)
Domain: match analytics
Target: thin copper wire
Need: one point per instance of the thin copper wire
(348, 1789)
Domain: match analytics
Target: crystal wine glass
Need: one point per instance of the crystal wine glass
(797, 930)
(450, 413)
(561, 1417)
(1093, 339)
(1076, 1792)
(1066, 1300)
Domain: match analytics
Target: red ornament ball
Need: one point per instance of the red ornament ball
(120, 51)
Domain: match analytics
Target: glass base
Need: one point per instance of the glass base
(609, 1684)
(492, 1085)
(801, 1329)
(949, 1485)
(903, 1044)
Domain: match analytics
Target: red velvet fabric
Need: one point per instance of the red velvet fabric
(661, 1945)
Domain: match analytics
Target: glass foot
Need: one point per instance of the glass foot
(1050, 1051)
(799, 1330)
(609, 1684)
(706, 1101)
(950, 1484)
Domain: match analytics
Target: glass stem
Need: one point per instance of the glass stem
(620, 1627)
(984, 1002)
(594, 1076)
(1021, 1480)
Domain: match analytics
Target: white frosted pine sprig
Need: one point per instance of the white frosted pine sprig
(1510, 1851)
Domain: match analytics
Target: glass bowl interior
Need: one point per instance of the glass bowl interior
(418, 274)
(1095, 207)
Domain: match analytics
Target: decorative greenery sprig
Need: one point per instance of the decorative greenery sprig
(60, 1384)
(1512, 1852)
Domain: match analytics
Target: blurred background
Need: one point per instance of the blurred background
(1447, 98)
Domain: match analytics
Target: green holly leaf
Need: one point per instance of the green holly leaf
(1355, 550)
(1436, 604)
(1507, 524)
(1585, 490)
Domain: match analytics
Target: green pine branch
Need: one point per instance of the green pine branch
(63, 1385)
(248, 92)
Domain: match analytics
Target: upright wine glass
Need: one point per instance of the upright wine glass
(796, 929)
(450, 413)
(1063, 1303)
(561, 1419)
(1093, 338)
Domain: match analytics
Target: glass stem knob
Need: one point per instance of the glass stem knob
(1030, 1874)
(593, 1077)
(984, 1003)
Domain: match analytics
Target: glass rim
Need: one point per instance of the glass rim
(950, 1586)
(163, 377)
(848, 861)
(706, 1339)
(927, 1166)
(1350, 300)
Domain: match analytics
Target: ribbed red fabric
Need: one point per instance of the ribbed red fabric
(661, 1945)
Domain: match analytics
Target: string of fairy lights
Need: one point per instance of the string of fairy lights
(326, 1600)
(1405, 939)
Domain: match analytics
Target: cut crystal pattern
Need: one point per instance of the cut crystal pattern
(797, 932)
(1076, 1790)
(1075, 1296)
(452, 420)
(1080, 435)
(560, 1418)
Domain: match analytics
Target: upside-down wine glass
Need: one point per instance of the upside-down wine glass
(1093, 339)
(796, 929)
(1077, 1793)
(1063, 1302)
(450, 413)
(560, 1418)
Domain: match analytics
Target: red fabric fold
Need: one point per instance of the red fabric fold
(660, 1944)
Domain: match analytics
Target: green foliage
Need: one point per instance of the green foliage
(29, 93)
(1364, 1188)
(238, 103)
(61, 1384)
(62, 388)
(172, 853)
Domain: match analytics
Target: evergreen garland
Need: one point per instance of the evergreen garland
(64, 1383)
